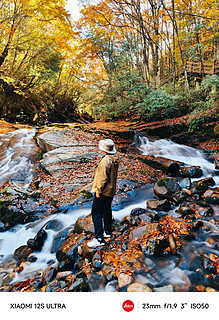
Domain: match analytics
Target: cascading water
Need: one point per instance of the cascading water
(182, 153)
(17, 157)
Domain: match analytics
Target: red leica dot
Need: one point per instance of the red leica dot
(128, 305)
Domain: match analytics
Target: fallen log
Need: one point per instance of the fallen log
(171, 167)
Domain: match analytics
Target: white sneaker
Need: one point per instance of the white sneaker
(95, 243)
(105, 235)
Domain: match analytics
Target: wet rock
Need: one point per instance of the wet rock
(212, 196)
(172, 244)
(69, 250)
(62, 275)
(37, 242)
(32, 258)
(111, 286)
(97, 261)
(32, 244)
(180, 196)
(213, 240)
(128, 220)
(36, 209)
(65, 265)
(168, 288)
(149, 217)
(4, 226)
(185, 183)
(8, 279)
(191, 172)
(87, 252)
(96, 282)
(138, 233)
(197, 225)
(48, 275)
(59, 239)
(124, 279)
(12, 213)
(84, 225)
(53, 286)
(108, 272)
(138, 287)
(210, 263)
(179, 280)
(80, 285)
(159, 205)
(202, 185)
(203, 210)
(22, 252)
(124, 185)
(53, 225)
(149, 263)
(155, 244)
(166, 187)
(137, 212)
(184, 210)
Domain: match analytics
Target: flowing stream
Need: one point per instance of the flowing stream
(174, 151)
(17, 163)
(17, 157)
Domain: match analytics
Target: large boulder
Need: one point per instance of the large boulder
(212, 196)
(60, 138)
(61, 158)
(137, 212)
(154, 244)
(37, 242)
(84, 225)
(185, 210)
(69, 250)
(159, 205)
(202, 185)
(191, 172)
(139, 232)
(48, 275)
(138, 287)
(59, 239)
(22, 252)
(179, 280)
(124, 279)
(166, 187)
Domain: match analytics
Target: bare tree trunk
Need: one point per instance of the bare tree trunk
(174, 47)
(175, 26)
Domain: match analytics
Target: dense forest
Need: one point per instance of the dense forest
(134, 59)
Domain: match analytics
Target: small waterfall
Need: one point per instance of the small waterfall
(174, 151)
(17, 157)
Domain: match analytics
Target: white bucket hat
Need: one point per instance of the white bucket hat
(107, 145)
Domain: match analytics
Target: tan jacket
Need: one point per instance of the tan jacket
(106, 176)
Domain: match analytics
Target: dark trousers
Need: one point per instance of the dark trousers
(102, 215)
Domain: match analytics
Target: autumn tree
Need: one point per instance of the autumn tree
(37, 60)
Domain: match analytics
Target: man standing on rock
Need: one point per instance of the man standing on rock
(104, 188)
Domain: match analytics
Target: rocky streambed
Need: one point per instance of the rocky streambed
(166, 219)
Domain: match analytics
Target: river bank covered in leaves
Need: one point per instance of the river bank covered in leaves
(166, 220)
